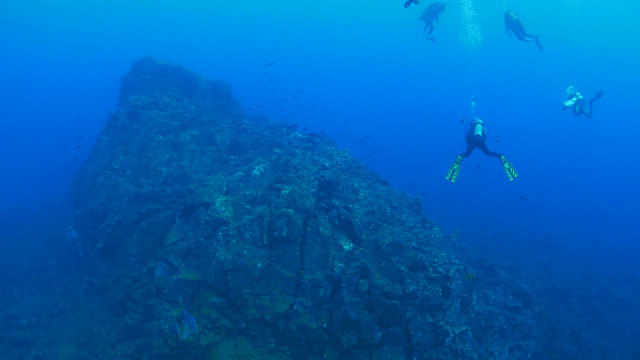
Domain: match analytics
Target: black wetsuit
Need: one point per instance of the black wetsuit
(479, 142)
(431, 14)
(514, 26)
(409, 2)
(579, 108)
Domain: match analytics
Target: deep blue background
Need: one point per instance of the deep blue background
(362, 72)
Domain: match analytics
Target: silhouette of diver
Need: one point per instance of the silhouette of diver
(575, 101)
(409, 2)
(514, 26)
(431, 14)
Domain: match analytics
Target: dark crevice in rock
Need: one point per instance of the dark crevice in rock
(346, 224)
(301, 249)
(408, 337)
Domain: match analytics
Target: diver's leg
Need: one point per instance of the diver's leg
(577, 111)
(529, 38)
(579, 108)
(588, 112)
(538, 44)
(595, 97)
(584, 111)
(430, 28)
(532, 38)
(467, 152)
(488, 152)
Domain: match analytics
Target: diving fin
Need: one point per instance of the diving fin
(452, 175)
(508, 169)
(538, 44)
(597, 96)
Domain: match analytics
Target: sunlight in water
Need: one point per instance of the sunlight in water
(471, 35)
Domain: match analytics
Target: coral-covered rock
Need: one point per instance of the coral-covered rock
(276, 243)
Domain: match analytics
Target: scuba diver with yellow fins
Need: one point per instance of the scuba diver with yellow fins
(575, 101)
(476, 137)
(514, 26)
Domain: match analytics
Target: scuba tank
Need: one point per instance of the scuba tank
(478, 128)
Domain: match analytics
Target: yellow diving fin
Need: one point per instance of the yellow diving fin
(452, 175)
(508, 169)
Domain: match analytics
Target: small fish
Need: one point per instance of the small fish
(161, 269)
(189, 323)
(186, 326)
(271, 63)
(523, 198)
(166, 268)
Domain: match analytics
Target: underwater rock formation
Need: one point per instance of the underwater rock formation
(273, 241)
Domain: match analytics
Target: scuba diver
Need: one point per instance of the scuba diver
(575, 101)
(476, 137)
(431, 14)
(409, 2)
(514, 26)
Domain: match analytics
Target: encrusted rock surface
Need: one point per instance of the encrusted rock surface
(278, 244)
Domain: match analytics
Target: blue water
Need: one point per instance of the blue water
(362, 72)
